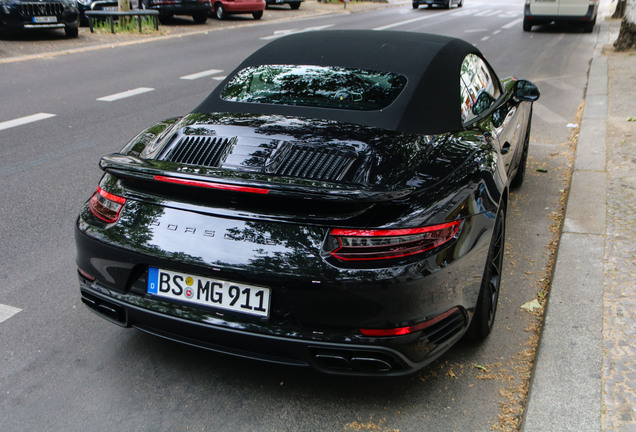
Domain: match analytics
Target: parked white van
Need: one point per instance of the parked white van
(539, 12)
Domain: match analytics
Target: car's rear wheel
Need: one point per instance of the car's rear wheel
(461, 3)
(588, 27)
(219, 11)
(200, 17)
(294, 5)
(527, 25)
(485, 311)
(257, 15)
(449, 4)
(416, 5)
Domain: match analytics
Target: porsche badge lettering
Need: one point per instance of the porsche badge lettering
(184, 230)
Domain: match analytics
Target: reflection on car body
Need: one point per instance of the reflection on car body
(320, 208)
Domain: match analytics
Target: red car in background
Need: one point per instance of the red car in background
(222, 8)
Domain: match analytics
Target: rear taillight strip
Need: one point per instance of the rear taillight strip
(106, 206)
(378, 244)
(211, 185)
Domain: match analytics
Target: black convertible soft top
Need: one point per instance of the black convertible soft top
(429, 104)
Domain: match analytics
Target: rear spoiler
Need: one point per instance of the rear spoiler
(124, 166)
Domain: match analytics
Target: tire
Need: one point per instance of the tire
(461, 3)
(526, 25)
(486, 308)
(165, 19)
(71, 32)
(588, 27)
(449, 4)
(517, 180)
(219, 12)
(416, 5)
(257, 15)
(144, 4)
(200, 17)
(295, 5)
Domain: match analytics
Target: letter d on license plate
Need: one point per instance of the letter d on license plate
(215, 293)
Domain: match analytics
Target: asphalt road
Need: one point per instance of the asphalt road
(65, 369)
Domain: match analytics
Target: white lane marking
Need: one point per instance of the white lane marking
(201, 74)
(7, 312)
(512, 24)
(401, 23)
(281, 33)
(487, 12)
(24, 120)
(219, 78)
(122, 95)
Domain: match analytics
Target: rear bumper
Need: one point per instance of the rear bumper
(545, 19)
(243, 6)
(370, 359)
(174, 8)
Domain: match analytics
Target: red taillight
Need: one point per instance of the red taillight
(105, 205)
(356, 245)
(211, 185)
(408, 329)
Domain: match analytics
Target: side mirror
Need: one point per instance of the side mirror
(526, 91)
(483, 102)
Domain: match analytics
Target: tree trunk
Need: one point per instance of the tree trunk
(619, 12)
(627, 36)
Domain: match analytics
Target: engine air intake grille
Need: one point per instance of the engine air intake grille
(200, 150)
(41, 9)
(316, 163)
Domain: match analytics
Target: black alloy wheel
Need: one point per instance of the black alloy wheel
(219, 11)
(71, 32)
(200, 17)
(486, 308)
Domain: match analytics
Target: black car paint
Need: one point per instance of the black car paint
(284, 249)
(282, 241)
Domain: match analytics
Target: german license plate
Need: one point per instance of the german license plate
(111, 8)
(215, 293)
(44, 19)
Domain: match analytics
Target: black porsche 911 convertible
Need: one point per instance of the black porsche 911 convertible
(341, 207)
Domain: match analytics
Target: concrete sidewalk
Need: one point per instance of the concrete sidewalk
(585, 370)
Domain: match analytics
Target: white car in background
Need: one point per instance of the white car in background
(581, 12)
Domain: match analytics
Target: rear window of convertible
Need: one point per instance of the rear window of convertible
(315, 86)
